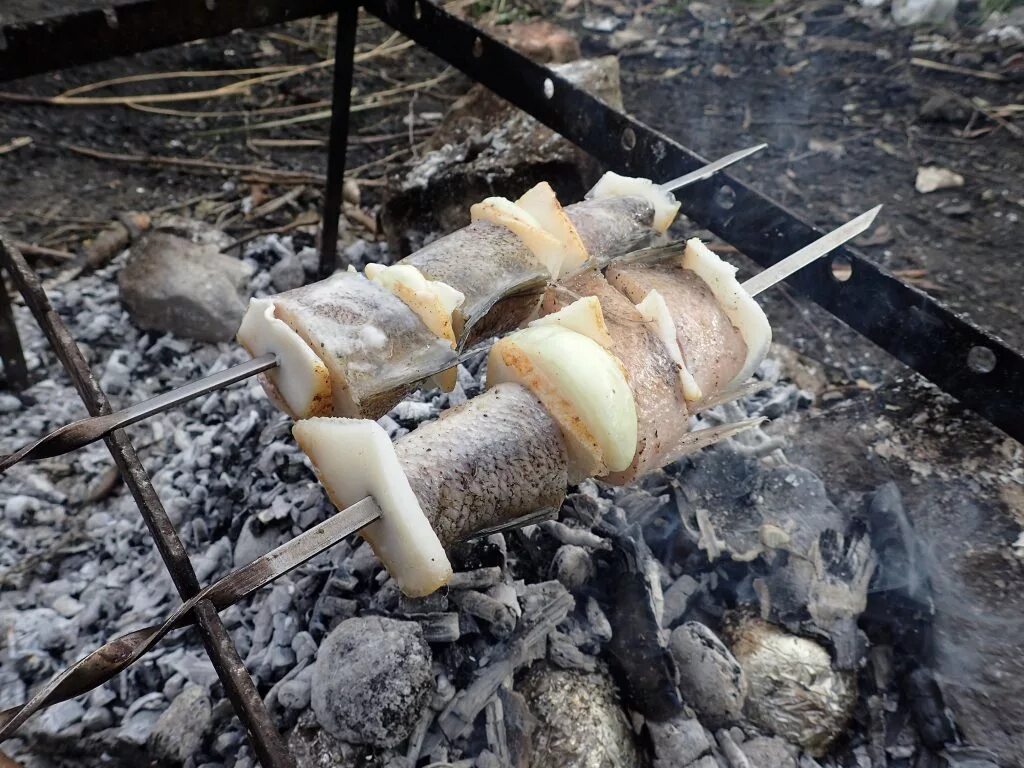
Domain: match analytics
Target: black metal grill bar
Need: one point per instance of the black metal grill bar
(240, 688)
(904, 321)
(32, 47)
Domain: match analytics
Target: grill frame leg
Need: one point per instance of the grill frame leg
(337, 147)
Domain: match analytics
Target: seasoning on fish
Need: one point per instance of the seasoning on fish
(374, 346)
(496, 458)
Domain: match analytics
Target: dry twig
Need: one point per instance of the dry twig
(277, 176)
(16, 143)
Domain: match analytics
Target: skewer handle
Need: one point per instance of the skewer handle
(88, 430)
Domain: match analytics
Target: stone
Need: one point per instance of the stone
(793, 690)
(931, 178)
(572, 566)
(677, 742)
(373, 680)
(766, 750)
(172, 285)
(678, 598)
(180, 730)
(542, 41)
(710, 678)
(581, 722)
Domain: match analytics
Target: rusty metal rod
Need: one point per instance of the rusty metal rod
(238, 686)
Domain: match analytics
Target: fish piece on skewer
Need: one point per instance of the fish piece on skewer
(496, 458)
(374, 346)
(714, 317)
(653, 377)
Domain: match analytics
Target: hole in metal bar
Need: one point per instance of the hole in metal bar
(3, 40)
(111, 16)
(725, 197)
(211, 5)
(478, 48)
(549, 88)
(417, 11)
(981, 360)
(841, 268)
(628, 139)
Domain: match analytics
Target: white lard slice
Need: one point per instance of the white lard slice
(655, 312)
(583, 316)
(301, 383)
(541, 203)
(584, 388)
(664, 203)
(744, 313)
(354, 458)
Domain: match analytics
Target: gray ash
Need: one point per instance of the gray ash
(593, 618)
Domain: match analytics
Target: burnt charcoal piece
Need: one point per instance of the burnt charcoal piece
(929, 711)
(641, 662)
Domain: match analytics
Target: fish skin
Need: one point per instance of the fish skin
(652, 375)
(374, 346)
(488, 264)
(713, 349)
(612, 226)
(490, 460)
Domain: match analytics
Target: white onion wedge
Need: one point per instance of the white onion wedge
(300, 385)
(583, 316)
(744, 313)
(613, 185)
(655, 312)
(354, 458)
(541, 203)
(545, 247)
(583, 387)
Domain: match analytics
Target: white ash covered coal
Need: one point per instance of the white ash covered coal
(607, 636)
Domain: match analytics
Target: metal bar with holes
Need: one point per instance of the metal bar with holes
(240, 688)
(969, 363)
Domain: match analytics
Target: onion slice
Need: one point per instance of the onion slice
(545, 247)
(655, 312)
(541, 203)
(583, 316)
(584, 388)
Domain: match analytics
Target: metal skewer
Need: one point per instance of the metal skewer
(797, 261)
(710, 169)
